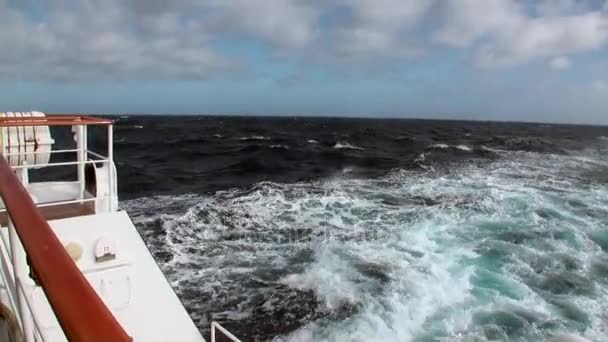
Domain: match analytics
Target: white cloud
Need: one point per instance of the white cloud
(99, 41)
(509, 34)
(560, 63)
(545, 37)
(123, 39)
(377, 26)
(114, 39)
(286, 23)
(465, 21)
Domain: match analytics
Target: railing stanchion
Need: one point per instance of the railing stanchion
(81, 146)
(224, 333)
(111, 179)
(19, 262)
(111, 142)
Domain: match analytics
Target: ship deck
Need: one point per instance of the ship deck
(56, 212)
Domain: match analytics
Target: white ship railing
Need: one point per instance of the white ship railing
(226, 334)
(99, 159)
(47, 152)
(30, 245)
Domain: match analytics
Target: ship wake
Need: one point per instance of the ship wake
(515, 249)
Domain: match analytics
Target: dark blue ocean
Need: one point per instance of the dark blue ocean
(302, 229)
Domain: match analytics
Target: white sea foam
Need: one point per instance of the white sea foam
(255, 137)
(345, 145)
(446, 146)
(439, 146)
(463, 148)
(483, 249)
(312, 141)
(285, 147)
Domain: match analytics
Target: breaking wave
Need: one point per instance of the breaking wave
(345, 145)
(447, 147)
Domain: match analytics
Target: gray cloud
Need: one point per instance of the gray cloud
(510, 36)
(101, 40)
(159, 39)
(285, 23)
(561, 7)
(534, 38)
(466, 21)
(377, 27)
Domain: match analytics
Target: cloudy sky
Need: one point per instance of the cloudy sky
(543, 60)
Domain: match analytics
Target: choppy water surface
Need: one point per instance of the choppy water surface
(394, 231)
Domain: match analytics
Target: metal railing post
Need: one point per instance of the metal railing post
(111, 179)
(111, 142)
(19, 262)
(81, 146)
(224, 332)
(7, 277)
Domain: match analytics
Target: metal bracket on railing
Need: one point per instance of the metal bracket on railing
(224, 334)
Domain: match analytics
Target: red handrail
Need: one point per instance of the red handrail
(82, 314)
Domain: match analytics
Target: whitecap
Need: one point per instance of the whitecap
(345, 145)
(446, 146)
(255, 137)
(439, 146)
(463, 148)
(421, 158)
